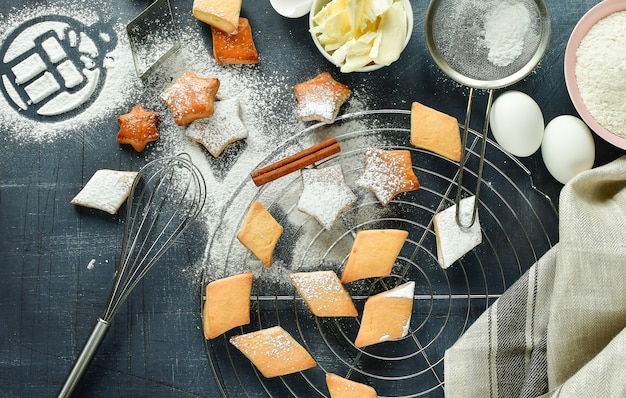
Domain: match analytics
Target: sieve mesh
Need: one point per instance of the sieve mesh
(455, 32)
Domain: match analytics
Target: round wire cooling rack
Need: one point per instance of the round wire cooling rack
(519, 224)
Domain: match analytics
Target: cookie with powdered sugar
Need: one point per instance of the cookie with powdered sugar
(324, 294)
(221, 129)
(453, 240)
(191, 97)
(388, 173)
(386, 316)
(325, 194)
(274, 352)
(106, 190)
(320, 98)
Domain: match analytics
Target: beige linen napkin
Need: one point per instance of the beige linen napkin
(560, 330)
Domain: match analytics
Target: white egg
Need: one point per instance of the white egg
(567, 148)
(516, 123)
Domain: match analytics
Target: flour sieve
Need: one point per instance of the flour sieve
(461, 39)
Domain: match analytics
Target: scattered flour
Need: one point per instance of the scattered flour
(118, 88)
(263, 94)
(601, 72)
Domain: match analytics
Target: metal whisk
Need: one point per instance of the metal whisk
(167, 195)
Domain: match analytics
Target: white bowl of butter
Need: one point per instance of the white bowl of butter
(361, 35)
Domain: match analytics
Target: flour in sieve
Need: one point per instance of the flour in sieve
(505, 30)
(601, 72)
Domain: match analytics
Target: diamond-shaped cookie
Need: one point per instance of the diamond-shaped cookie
(339, 387)
(373, 253)
(106, 190)
(324, 293)
(274, 352)
(227, 304)
(260, 233)
(386, 316)
(454, 241)
(435, 131)
(235, 48)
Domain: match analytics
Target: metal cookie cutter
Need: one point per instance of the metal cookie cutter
(153, 37)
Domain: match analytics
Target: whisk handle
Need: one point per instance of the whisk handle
(85, 357)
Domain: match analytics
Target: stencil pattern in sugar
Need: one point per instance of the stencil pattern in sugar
(53, 67)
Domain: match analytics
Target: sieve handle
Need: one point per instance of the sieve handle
(464, 156)
(85, 357)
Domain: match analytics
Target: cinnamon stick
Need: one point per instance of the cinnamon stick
(295, 162)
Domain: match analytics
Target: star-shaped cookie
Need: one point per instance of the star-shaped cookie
(320, 98)
(191, 97)
(138, 127)
(388, 173)
(325, 194)
(215, 133)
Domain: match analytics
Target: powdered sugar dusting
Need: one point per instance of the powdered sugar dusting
(324, 293)
(273, 345)
(273, 351)
(405, 290)
(320, 98)
(316, 285)
(221, 129)
(267, 123)
(118, 88)
(454, 241)
(106, 190)
(386, 175)
(325, 194)
(505, 29)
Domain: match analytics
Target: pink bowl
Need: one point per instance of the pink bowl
(592, 16)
